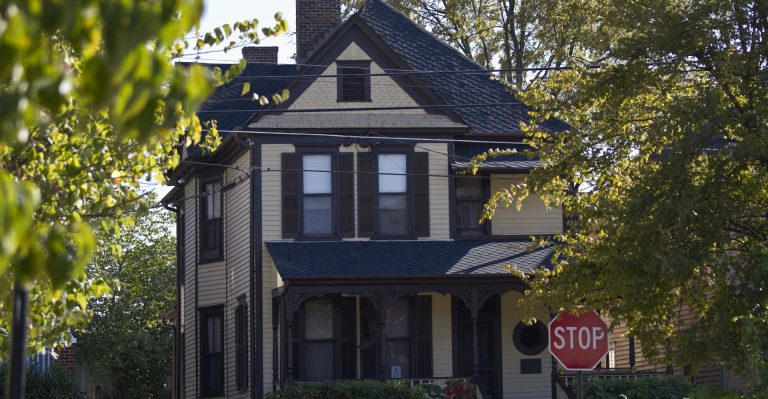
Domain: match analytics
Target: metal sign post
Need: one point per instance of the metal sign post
(18, 362)
(579, 384)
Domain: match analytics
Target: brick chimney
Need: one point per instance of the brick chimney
(260, 55)
(314, 18)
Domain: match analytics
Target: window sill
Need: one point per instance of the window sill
(394, 238)
(339, 100)
(318, 238)
(211, 260)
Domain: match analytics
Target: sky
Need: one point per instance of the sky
(220, 12)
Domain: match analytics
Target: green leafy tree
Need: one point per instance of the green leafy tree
(663, 177)
(128, 342)
(90, 103)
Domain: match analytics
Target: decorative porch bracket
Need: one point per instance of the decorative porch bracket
(474, 300)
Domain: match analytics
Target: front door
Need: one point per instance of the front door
(488, 338)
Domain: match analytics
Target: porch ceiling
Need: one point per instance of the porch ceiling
(402, 259)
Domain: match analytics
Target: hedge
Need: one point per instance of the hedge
(54, 384)
(363, 389)
(665, 387)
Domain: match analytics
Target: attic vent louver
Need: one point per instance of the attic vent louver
(354, 82)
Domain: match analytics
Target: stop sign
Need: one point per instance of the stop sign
(578, 342)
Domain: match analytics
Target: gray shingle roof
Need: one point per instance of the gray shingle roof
(423, 51)
(420, 258)
(227, 96)
(463, 152)
(419, 49)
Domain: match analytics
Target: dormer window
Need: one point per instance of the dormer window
(354, 81)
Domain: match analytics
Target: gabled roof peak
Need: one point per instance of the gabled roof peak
(392, 8)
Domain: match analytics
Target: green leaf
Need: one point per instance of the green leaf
(246, 88)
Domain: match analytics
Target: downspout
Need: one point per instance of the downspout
(255, 279)
(175, 393)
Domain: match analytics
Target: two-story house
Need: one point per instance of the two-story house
(333, 237)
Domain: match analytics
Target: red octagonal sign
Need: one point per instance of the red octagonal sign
(578, 342)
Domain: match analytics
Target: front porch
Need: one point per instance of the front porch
(408, 310)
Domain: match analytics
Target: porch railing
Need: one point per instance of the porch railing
(566, 380)
(441, 382)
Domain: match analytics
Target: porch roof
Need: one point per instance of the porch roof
(404, 259)
(463, 153)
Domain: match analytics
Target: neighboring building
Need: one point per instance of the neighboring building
(314, 246)
(626, 353)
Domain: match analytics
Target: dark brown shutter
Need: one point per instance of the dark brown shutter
(423, 321)
(366, 193)
(369, 340)
(420, 190)
(290, 193)
(346, 336)
(345, 179)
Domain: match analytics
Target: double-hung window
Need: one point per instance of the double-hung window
(408, 334)
(393, 218)
(324, 346)
(393, 194)
(317, 195)
(471, 195)
(211, 226)
(212, 351)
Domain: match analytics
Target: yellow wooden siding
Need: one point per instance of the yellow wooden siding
(442, 336)
(237, 212)
(271, 230)
(516, 385)
(439, 210)
(211, 283)
(189, 315)
(533, 218)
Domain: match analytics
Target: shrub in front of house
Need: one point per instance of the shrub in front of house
(54, 384)
(363, 389)
(665, 387)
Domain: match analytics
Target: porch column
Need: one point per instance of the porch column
(474, 311)
(276, 304)
(288, 309)
(383, 344)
